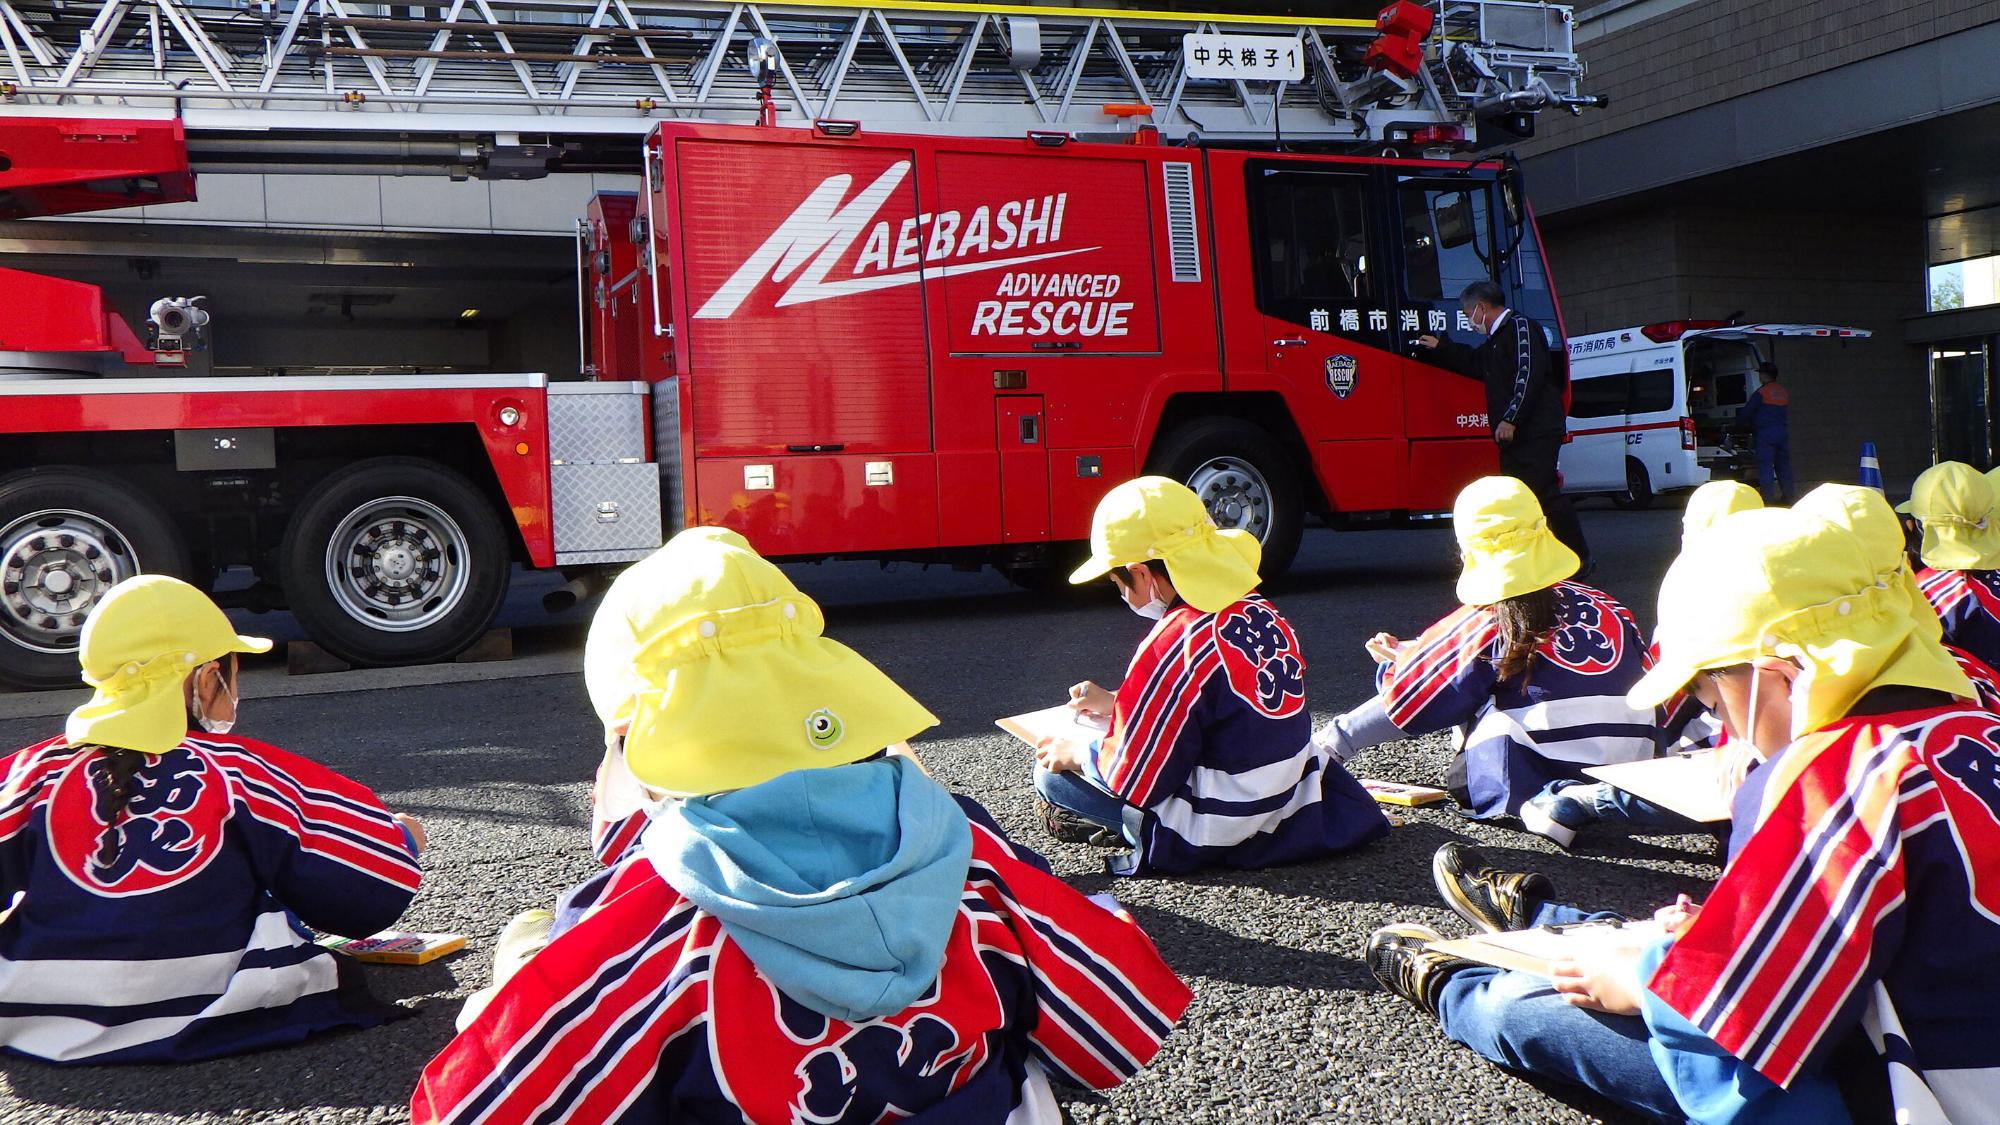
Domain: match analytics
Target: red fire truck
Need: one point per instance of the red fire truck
(954, 346)
(839, 341)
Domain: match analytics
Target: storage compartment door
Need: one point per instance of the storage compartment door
(1024, 469)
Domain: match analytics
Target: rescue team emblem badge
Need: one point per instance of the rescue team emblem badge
(1340, 374)
(1262, 658)
(169, 830)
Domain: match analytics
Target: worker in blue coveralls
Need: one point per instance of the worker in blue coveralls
(1763, 414)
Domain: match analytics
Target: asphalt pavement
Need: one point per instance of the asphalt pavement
(1286, 1025)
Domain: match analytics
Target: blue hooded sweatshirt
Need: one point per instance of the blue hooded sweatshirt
(841, 885)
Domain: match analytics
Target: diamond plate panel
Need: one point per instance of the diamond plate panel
(605, 507)
(594, 424)
(667, 447)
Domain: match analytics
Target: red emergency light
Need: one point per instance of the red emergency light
(1670, 330)
(1399, 49)
(1428, 136)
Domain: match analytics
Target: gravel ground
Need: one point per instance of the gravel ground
(1286, 1025)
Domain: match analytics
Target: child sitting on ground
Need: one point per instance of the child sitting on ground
(1858, 898)
(808, 929)
(1208, 759)
(161, 876)
(1961, 550)
(1533, 669)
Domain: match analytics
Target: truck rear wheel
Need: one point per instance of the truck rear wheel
(1242, 474)
(395, 561)
(66, 537)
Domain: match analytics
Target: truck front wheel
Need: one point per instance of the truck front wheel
(66, 537)
(1242, 474)
(395, 561)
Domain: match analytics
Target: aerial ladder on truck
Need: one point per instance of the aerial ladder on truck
(525, 84)
(387, 513)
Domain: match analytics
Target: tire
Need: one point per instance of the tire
(1638, 494)
(394, 560)
(113, 532)
(1241, 471)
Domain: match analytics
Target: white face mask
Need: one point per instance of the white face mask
(220, 726)
(1154, 609)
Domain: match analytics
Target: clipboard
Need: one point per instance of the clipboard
(1053, 722)
(1401, 793)
(1533, 951)
(1689, 784)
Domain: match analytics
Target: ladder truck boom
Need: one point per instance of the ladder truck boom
(541, 85)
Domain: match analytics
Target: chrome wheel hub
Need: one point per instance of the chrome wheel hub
(1235, 493)
(397, 564)
(55, 566)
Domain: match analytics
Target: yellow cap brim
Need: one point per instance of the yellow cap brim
(252, 645)
(1093, 568)
(1904, 507)
(1661, 682)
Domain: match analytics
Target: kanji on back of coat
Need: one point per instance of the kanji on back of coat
(805, 927)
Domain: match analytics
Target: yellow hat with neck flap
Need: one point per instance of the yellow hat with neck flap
(737, 683)
(1157, 518)
(1781, 583)
(1504, 543)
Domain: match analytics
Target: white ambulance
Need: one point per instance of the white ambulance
(1653, 408)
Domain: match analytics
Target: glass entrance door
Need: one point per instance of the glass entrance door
(1961, 401)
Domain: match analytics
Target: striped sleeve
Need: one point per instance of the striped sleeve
(323, 843)
(1524, 367)
(1104, 999)
(1445, 677)
(1946, 590)
(29, 774)
(1806, 909)
(577, 1033)
(1155, 735)
(617, 809)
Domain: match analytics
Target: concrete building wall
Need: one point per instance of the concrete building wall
(1861, 270)
(1715, 50)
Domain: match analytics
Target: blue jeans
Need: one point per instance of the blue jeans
(1518, 1021)
(1078, 794)
(1615, 807)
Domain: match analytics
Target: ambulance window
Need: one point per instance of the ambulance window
(1652, 391)
(1603, 397)
(1310, 231)
(1447, 239)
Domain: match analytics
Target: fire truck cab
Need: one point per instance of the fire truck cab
(949, 348)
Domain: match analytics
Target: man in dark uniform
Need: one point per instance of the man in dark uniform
(1524, 400)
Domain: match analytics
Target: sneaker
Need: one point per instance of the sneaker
(1485, 896)
(1400, 957)
(1064, 825)
(1556, 816)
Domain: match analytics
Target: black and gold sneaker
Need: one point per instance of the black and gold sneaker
(1401, 958)
(1485, 896)
(1062, 824)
